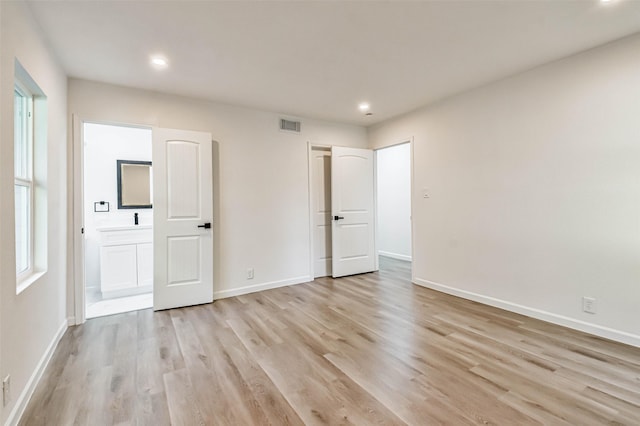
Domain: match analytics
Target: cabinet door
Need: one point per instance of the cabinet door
(118, 267)
(145, 264)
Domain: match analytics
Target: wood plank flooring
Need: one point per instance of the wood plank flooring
(368, 349)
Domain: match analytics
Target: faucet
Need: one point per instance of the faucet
(135, 218)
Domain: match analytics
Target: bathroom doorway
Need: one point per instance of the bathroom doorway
(118, 218)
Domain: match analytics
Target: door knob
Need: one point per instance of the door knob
(205, 226)
(338, 217)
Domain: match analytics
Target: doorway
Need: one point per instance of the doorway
(118, 218)
(342, 211)
(393, 207)
(390, 183)
(168, 251)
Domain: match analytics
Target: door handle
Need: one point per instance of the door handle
(205, 226)
(338, 217)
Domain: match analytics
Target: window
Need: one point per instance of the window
(23, 181)
(29, 178)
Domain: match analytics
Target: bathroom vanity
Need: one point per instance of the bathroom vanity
(126, 260)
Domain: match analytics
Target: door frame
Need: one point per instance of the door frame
(310, 148)
(77, 275)
(410, 141)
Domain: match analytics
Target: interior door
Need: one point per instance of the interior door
(182, 218)
(352, 206)
(321, 205)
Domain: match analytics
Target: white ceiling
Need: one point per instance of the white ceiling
(319, 59)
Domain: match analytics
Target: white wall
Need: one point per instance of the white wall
(394, 201)
(103, 146)
(261, 204)
(32, 320)
(534, 186)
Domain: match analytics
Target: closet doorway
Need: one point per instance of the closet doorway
(393, 207)
(388, 178)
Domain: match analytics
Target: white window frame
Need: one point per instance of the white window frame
(27, 180)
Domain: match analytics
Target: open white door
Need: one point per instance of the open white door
(352, 206)
(182, 217)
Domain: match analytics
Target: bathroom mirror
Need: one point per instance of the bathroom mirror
(134, 184)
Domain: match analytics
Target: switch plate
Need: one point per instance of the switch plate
(250, 273)
(589, 305)
(6, 390)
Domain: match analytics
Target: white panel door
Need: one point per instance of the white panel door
(352, 205)
(321, 205)
(182, 206)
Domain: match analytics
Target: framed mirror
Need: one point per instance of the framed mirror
(134, 184)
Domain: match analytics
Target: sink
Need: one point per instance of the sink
(122, 228)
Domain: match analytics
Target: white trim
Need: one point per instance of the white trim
(25, 282)
(597, 330)
(412, 211)
(88, 120)
(77, 221)
(71, 321)
(260, 287)
(312, 265)
(376, 229)
(27, 392)
(394, 255)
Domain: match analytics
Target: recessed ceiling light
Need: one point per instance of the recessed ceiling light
(159, 62)
(363, 106)
(605, 1)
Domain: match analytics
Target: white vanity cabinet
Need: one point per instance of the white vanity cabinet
(126, 260)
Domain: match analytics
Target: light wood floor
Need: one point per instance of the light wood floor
(369, 349)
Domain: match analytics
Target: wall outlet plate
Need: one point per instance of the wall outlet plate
(589, 305)
(250, 273)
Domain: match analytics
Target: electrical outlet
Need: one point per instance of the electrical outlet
(589, 305)
(250, 273)
(6, 390)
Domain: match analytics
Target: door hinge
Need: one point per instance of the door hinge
(82, 230)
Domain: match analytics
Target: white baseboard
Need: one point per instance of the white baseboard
(394, 255)
(27, 392)
(71, 321)
(260, 287)
(597, 330)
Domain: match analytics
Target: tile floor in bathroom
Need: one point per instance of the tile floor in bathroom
(99, 307)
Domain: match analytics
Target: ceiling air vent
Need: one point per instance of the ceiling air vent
(289, 126)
